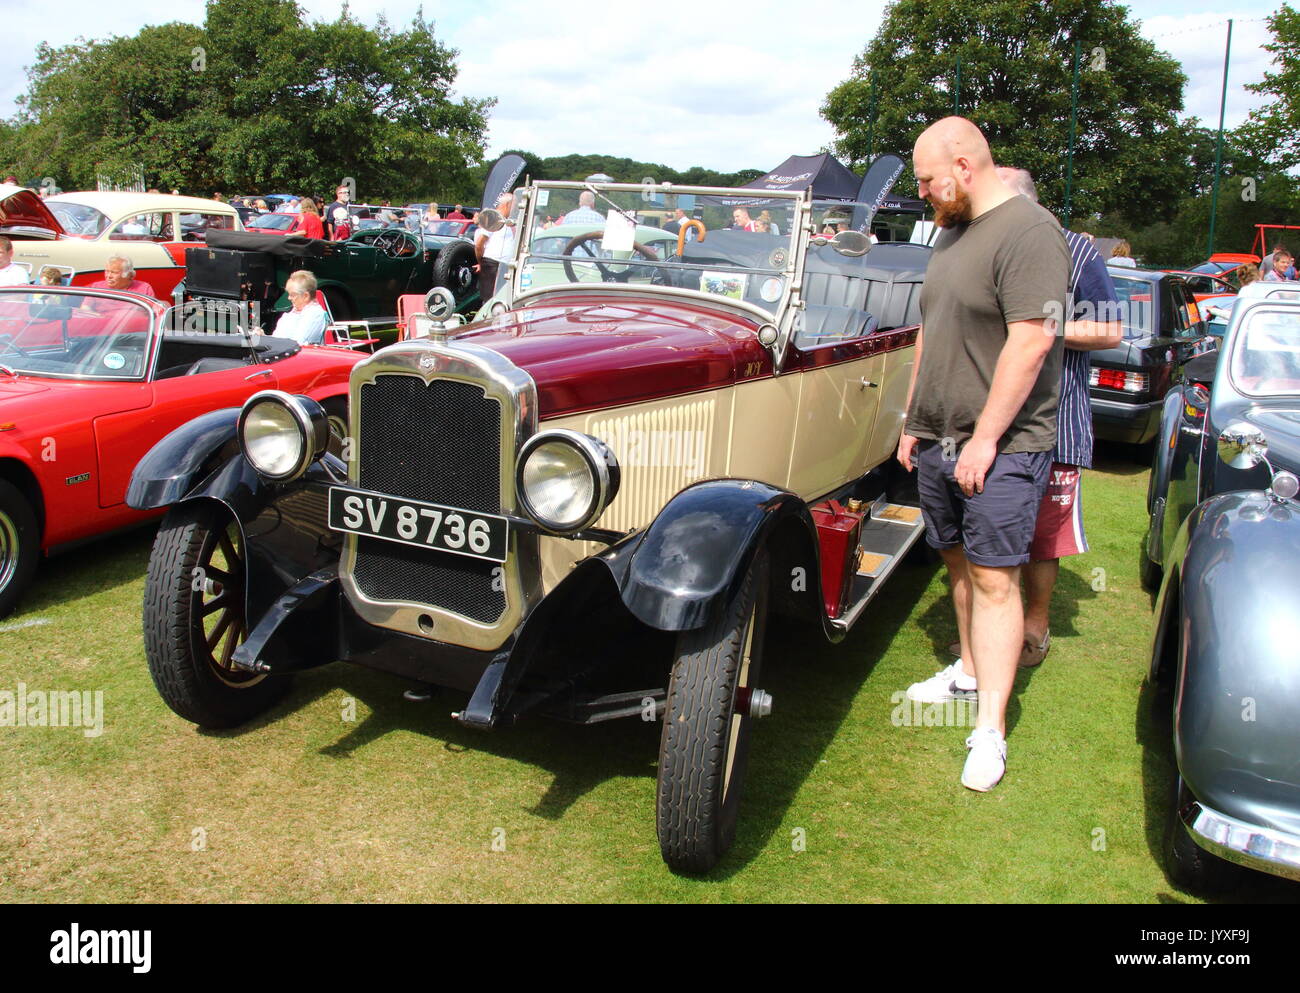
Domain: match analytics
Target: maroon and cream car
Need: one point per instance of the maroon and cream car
(585, 505)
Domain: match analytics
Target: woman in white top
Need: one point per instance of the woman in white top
(493, 248)
(1122, 254)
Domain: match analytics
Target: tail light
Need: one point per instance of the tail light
(1118, 379)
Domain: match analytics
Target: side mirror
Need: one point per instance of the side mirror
(852, 243)
(490, 219)
(1242, 445)
(439, 303)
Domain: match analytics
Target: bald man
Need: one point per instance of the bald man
(981, 413)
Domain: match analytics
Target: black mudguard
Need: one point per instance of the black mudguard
(683, 569)
(172, 467)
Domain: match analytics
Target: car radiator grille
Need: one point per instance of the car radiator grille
(441, 443)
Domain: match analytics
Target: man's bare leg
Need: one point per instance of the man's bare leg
(959, 576)
(1040, 580)
(997, 633)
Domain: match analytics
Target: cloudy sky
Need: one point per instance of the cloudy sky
(678, 82)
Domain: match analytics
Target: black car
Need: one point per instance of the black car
(1163, 328)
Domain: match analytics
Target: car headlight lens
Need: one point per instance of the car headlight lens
(565, 480)
(281, 435)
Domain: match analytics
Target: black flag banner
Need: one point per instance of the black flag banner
(502, 177)
(876, 184)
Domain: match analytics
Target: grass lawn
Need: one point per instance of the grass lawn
(402, 804)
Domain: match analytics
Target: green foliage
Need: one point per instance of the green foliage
(1016, 61)
(623, 170)
(255, 100)
(1273, 131)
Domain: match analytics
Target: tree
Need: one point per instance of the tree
(1016, 59)
(255, 99)
(1273, 131)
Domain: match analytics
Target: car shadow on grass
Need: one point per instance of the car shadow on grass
(1120, 459)
(813, 688)
(1154, 725)
(87, 571)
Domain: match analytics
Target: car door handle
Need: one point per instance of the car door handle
(255, 375)
(868, 383)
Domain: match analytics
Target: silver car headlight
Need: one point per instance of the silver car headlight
(565, 480)
(281, 435)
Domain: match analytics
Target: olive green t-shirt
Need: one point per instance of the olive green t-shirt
(1009, 264)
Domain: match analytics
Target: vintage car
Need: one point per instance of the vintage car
(81, 230)
(361, 278)
(90, 380)
(583, 506)
(1224, 530)
(1163, 328)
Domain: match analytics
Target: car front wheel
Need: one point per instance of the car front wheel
(704, 748)
(194, 620)
(20, 545)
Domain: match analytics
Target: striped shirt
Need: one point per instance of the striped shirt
(1091, 289)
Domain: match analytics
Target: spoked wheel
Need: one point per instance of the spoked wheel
(194, 620)
(704, 751)
(336, 411)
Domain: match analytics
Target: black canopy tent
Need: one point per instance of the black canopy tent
(828, 178)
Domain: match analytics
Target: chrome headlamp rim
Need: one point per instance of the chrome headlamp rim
(600, 461)
(312, 425)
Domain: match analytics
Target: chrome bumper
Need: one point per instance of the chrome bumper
(1265, 849)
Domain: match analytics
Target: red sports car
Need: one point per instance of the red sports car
(90, 380)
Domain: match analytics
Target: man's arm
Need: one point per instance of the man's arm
(906, 442)
(1092, 336)
(1019, 362)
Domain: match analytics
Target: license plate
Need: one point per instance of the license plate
(415, 522)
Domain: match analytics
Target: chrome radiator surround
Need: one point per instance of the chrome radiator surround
(516, 392)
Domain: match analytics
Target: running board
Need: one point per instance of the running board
(887, 534)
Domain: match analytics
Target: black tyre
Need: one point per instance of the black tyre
(1189, 865)
(340, 305)
(1148, 572)
(20, 545)
(336, 410)
(194, 619)
(454, 269)
(704, 749)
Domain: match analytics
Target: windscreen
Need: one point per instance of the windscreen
(656, 239)
(73, 335)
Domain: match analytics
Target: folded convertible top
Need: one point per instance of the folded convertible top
(283, 245)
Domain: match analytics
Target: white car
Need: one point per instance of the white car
(79, 231)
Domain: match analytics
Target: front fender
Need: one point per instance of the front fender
(1237, 703)
(687, 564)
(170, 469)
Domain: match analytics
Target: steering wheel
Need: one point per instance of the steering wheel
(607, 275)
(7, 343)
(393, 244)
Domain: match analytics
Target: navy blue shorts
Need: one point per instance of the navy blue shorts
(995, 527)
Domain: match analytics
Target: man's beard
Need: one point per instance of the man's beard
(955, 211)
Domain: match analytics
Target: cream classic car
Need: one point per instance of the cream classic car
(79, 231)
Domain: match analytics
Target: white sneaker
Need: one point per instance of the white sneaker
(948, 684)
(987, 761)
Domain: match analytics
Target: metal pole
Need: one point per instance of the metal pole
(871, 119)
(1074, 121)
(1218, 145)
(956, 93)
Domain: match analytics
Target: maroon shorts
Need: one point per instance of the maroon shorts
(1059, 531)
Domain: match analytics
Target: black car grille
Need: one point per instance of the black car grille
(441, 443)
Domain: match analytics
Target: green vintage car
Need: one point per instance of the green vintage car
(581, 243)
(360, 278)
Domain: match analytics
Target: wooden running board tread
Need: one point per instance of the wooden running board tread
(887, 534)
